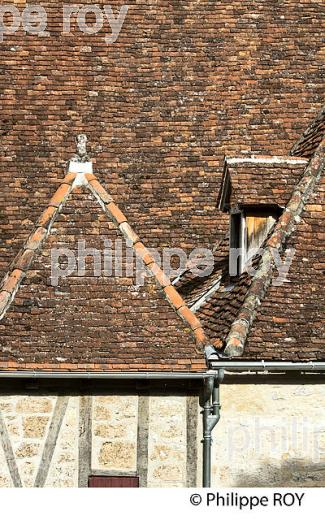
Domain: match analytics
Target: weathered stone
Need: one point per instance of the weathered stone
(102, 413)
(34, 405)
(168, 472)
(163, 453)
(27, 450)
(35, 426)
(6, 404)
(110, 431)
(5, 482)
(117, 455)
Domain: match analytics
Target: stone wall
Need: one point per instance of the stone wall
(114, 433)
(270, 435)
(41, 432)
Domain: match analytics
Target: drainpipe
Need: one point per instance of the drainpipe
(211, 414)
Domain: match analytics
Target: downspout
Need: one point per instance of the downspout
(211, 415)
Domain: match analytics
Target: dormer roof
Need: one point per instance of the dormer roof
(259, 180)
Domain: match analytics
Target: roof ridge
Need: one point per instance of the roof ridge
(311, 137)
(22, 262)
(267, 159)
(237, 336)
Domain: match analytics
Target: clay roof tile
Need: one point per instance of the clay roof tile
(60, 195)
(12, 281)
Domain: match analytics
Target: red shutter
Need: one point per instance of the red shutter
(113, 482)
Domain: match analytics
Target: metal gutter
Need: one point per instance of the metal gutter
(34, 374)
(262, 366)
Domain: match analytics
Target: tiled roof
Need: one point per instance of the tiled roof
(259, 180)
(246, 316)
(311, 138)
(22, 264)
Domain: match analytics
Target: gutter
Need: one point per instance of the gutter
(266, 366)
(34, 374)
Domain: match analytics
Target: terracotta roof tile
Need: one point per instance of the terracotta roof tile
(174, 297)
(60, 195)
(189, 317)
(100, 191)
(23, 260)
(4, 302)
(69, 178)
(12, 281)
(115, 213)
(160, 276)
(47, 216)
(25, 257)
(36, 239)
(91, 177)
(143, 253)
(228, 314)
(200, 337)
(128, 233)
(260, 180)
(237, 336)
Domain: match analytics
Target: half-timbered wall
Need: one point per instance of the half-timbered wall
(58, 440)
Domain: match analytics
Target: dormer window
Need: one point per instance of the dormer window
(249, 228)
(254, 191)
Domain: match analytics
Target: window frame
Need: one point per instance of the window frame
(238, 234)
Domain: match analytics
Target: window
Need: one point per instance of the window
(249, 228)
(114, 481)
